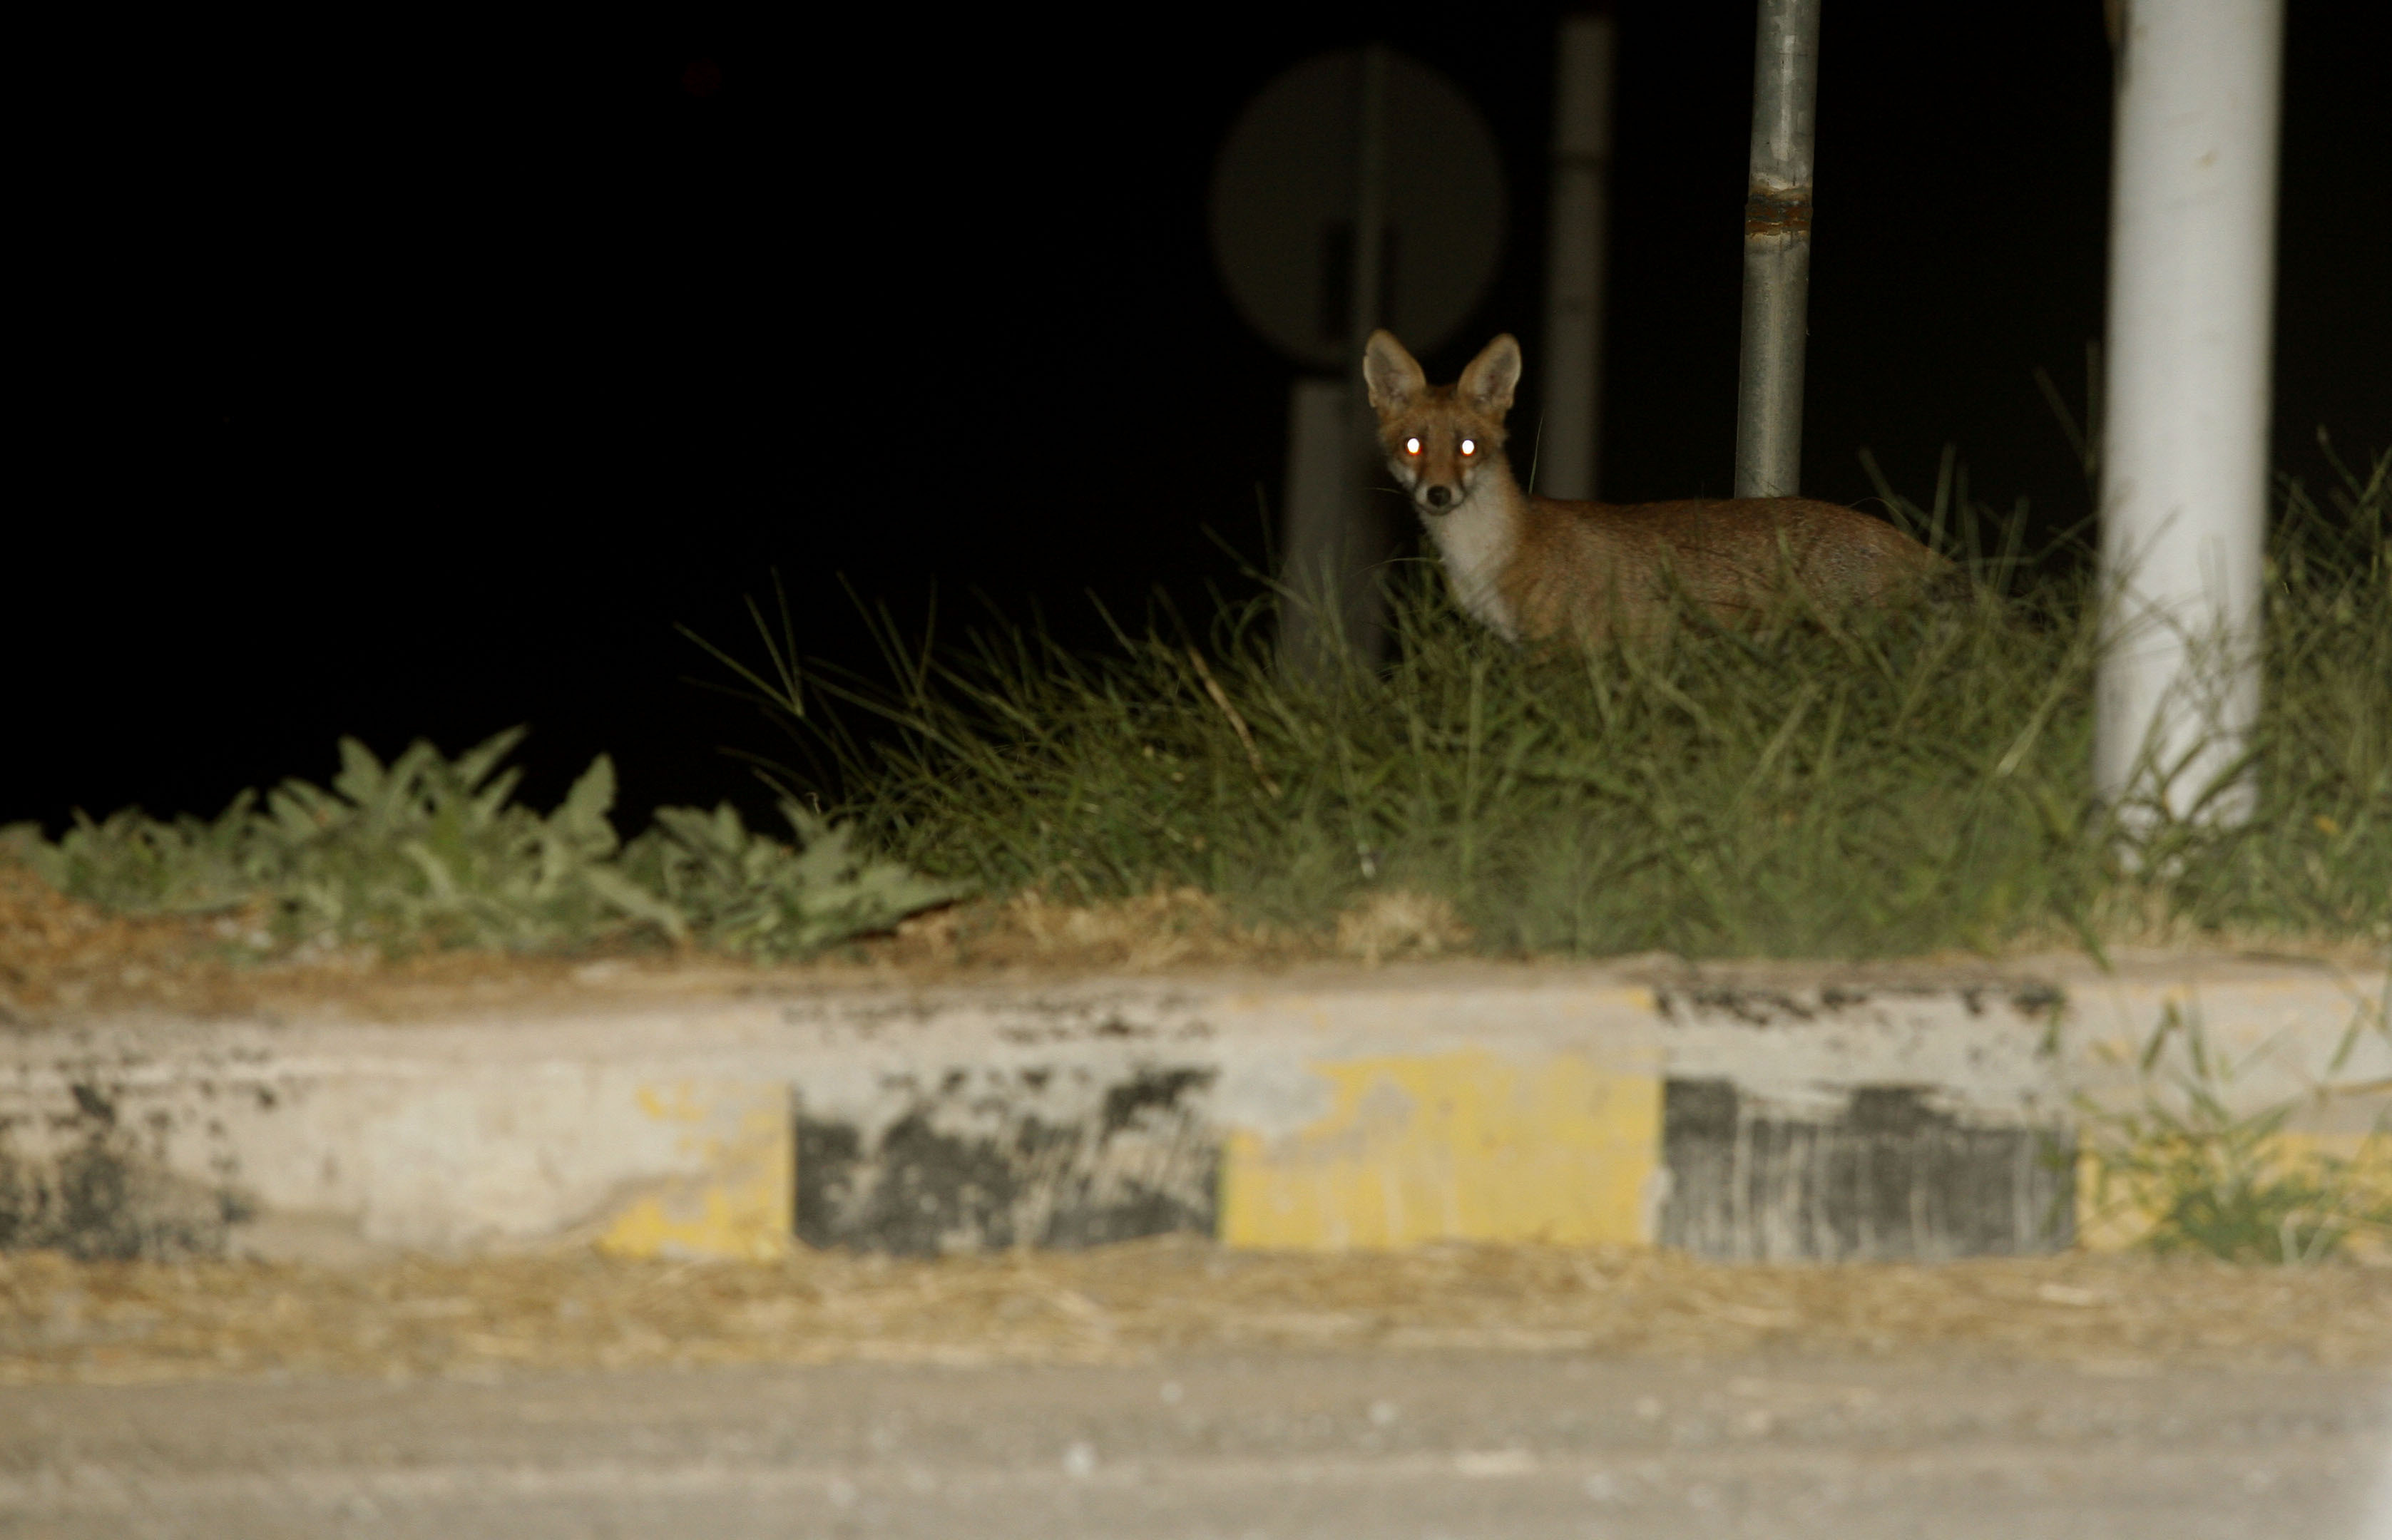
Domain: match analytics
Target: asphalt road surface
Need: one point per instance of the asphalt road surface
(1391, 1447)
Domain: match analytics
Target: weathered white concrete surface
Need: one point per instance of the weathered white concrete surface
(673, 1126)
(2274, 1032)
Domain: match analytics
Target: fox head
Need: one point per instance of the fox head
(1439, 439)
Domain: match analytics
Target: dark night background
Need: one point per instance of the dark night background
(408, 378)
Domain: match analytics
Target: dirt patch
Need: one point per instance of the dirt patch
(54, 951)
(62, 958)
(116, 1322)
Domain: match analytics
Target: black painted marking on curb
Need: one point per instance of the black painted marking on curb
(1887, 1177)
(1784, 1007)
(77, 1179)
(963, 1166)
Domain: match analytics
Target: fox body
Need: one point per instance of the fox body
(1536, 568)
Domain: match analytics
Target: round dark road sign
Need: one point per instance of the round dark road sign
(1286, 191)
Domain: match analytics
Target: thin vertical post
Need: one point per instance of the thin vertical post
(1778, 250)
(1570, 442)
(1336, 535)
(1370, 201)
(1365, 523)
(1321, 494)
(2184, 434)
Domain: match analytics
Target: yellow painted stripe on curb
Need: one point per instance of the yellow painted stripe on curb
(741, 1203)
(1464, 1145)
(2118, 1225)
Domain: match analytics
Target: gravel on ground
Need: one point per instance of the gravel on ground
(67, 1321)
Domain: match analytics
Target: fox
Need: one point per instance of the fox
(1536, 569)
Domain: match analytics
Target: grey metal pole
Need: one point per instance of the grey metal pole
(1569, 441)
(1777, 251)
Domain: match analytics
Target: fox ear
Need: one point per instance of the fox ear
(1488, 381)
(1394, 376)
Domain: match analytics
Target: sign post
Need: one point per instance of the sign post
(1358, 190)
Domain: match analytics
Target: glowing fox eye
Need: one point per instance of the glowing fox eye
(1412, 445)
(1469, 446)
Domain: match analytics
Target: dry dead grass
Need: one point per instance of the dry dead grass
(63, 957)
(118, 1322)
(1161, 930)
(1402, 923)
(55, 952)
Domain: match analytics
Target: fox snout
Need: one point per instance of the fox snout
(1432, 493)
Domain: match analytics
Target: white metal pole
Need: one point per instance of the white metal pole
(2184, 456)
(1778, 250)
(1570, 438)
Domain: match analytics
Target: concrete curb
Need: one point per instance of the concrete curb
(1782, 1112)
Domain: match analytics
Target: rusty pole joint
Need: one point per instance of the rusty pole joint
(1777, 251)
(1776, 211)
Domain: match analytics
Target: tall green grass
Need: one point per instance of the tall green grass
(1868, 783)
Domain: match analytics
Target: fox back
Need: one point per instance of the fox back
(1536, 568)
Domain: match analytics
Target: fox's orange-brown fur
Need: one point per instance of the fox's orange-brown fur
(1536, 568)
